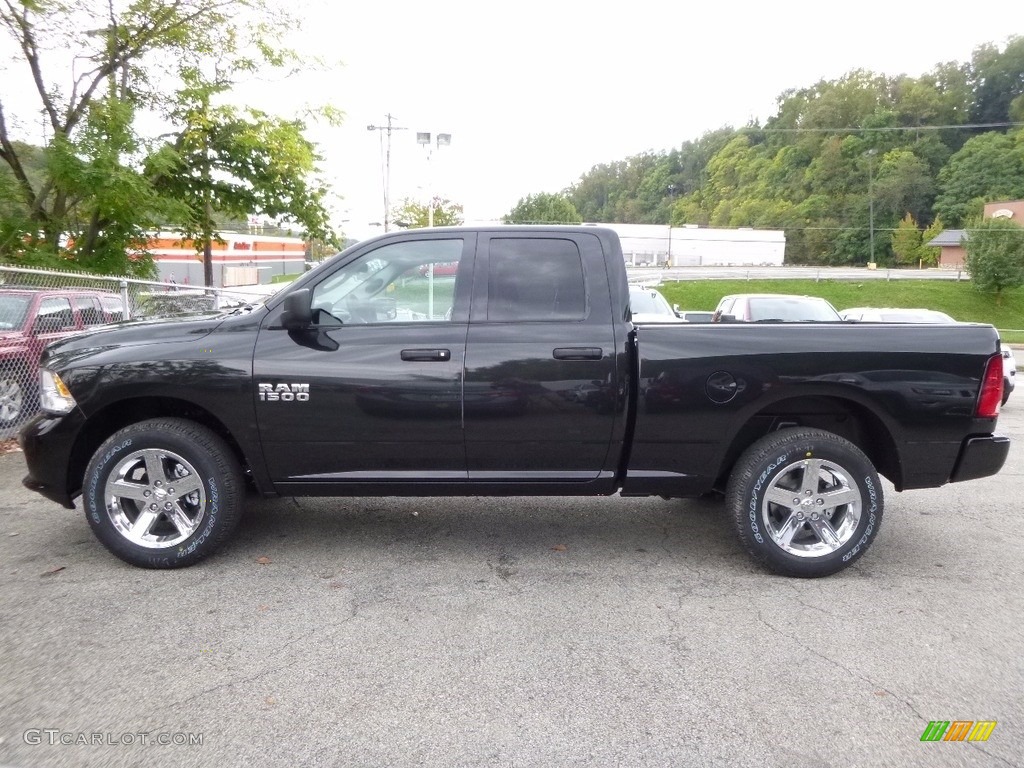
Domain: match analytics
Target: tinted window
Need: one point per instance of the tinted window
(54, 315)
(399, 282)
(535, 279)
(113, 307)
(88, 310)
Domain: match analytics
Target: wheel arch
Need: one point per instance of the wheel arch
(847, 418)
(115, 416)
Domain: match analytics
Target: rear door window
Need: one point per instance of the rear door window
(89, 310)
(535, 279)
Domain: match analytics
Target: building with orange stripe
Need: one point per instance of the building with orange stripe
(238, 259)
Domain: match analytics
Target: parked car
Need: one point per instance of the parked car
(895, 315)
(29, 320)
(695, 316)
(445, 269)
(773, 307)
(648, 305)
(1009, 372)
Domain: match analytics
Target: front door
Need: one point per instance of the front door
(372, 393)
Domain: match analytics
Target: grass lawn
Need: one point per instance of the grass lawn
(957, 299)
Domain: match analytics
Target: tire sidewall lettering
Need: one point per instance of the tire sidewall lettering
(872, 514)
(754, 501)
(93, 508)
(212, 510)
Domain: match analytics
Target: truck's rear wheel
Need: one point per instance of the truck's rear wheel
(806, 502)
(163, 493)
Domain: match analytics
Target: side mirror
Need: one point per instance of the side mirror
(298, 311)
(727, 318)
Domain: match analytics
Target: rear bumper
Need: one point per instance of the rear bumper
(980, 457)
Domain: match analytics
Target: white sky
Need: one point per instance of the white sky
(536, 93)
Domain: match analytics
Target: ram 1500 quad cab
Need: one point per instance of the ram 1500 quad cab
(504, 361)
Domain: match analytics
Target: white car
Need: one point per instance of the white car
(895, 315)
(1009, 371)
(649, 306)
(904, 315)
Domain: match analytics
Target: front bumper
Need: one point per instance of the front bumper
(48, 443)
(980, 457)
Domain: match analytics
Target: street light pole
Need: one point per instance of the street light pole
(871, 201)
(423, 139)
(386, 161)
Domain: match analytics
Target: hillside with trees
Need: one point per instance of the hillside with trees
(924, 153)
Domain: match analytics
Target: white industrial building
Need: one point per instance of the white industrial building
(693, 246)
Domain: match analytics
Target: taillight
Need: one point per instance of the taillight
(991, 389)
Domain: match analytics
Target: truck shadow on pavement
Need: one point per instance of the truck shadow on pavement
(584, 531)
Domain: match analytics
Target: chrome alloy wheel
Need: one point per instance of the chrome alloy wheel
(12, 400)
(155, 498)
(812, 508)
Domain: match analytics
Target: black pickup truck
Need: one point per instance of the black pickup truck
(503, 361)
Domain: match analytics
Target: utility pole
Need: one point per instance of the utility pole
(386, 161)
(871, 201)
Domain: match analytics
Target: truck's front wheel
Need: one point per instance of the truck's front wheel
(163, 493)
(806, 502)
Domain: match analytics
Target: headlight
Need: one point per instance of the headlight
(54, 396)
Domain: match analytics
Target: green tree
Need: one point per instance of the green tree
(998, 79)
(231, 162)
(904, 184)
(929, 255)
(415, 215)
(104, 183)
(988, 167)
(906, 241)
(543, 208)
(995, 256)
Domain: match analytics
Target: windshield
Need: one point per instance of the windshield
(13, 310)
(791, 309)
(645, 301)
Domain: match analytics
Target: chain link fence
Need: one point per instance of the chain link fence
(38, 307)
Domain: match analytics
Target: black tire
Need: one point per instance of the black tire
(832, 516)
(132, 505)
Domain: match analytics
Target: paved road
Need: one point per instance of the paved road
(515, 632)
(785, 273)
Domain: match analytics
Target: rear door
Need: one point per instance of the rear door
(540, 392)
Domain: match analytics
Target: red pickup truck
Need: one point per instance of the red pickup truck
(31, 318)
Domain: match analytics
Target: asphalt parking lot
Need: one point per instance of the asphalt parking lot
(513, 632)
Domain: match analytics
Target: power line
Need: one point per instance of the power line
(888, 128)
